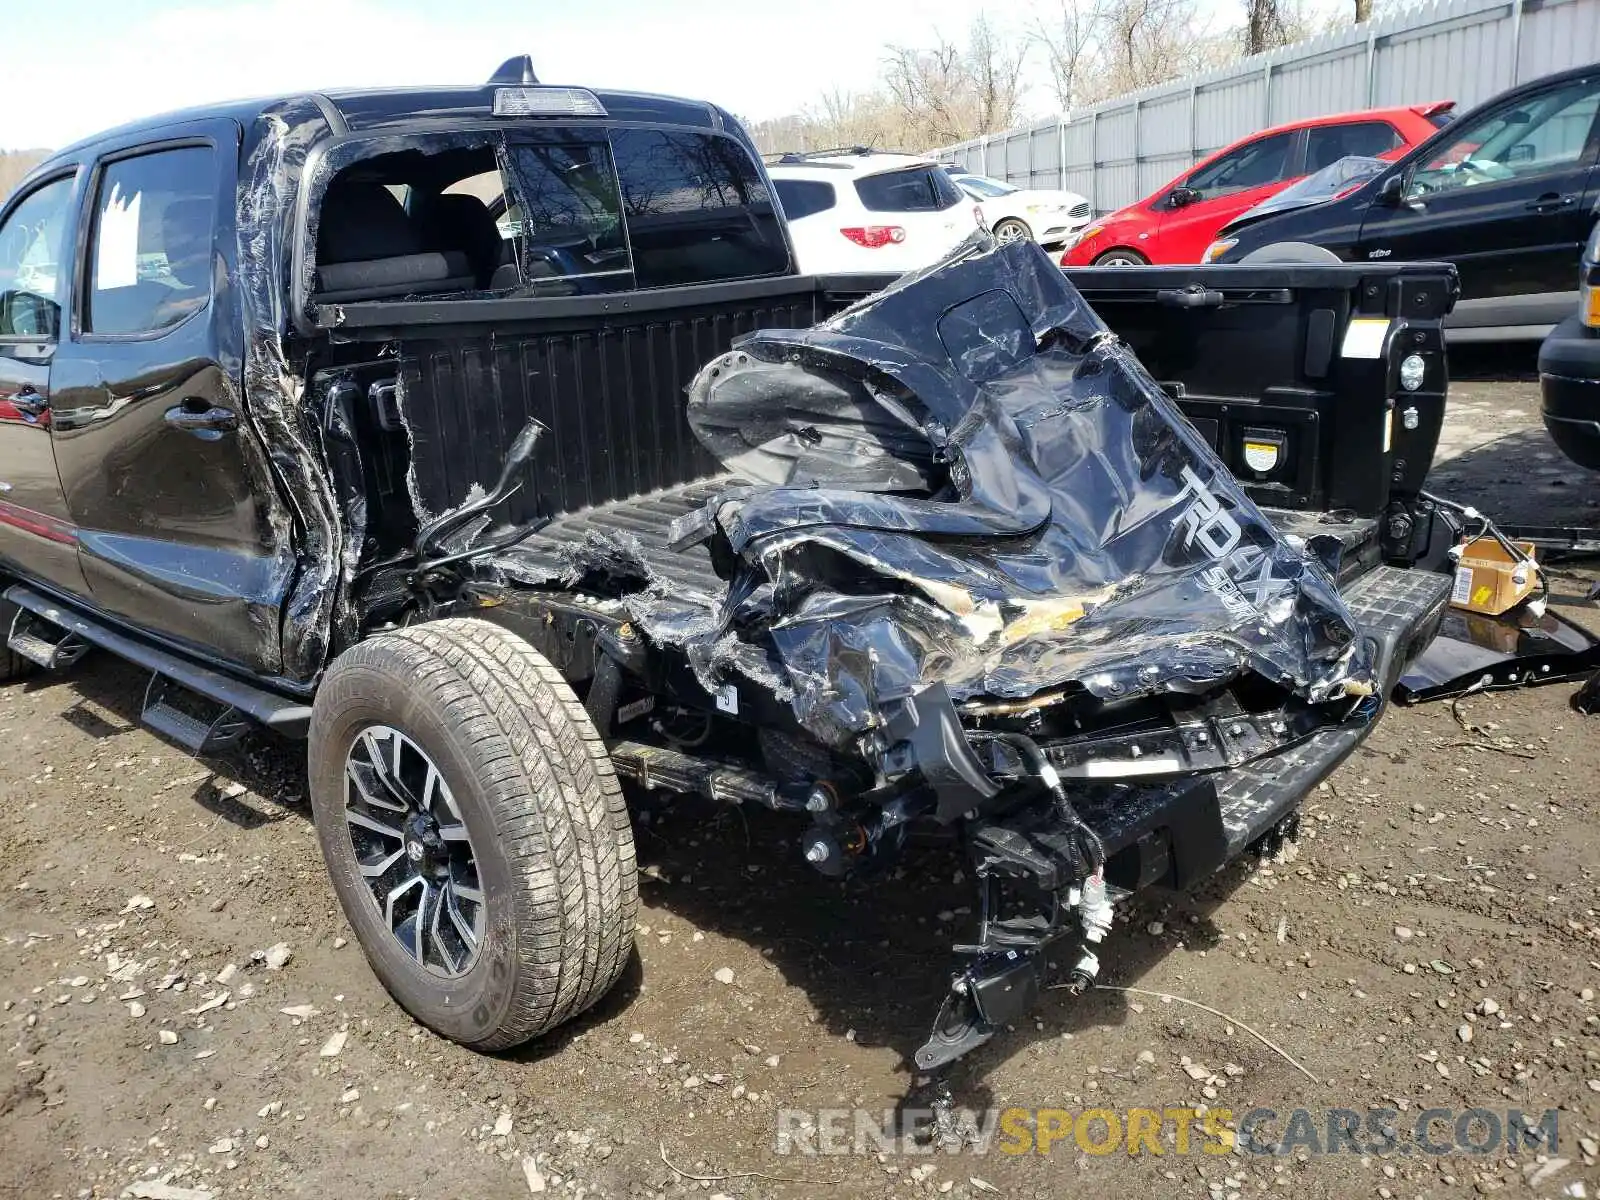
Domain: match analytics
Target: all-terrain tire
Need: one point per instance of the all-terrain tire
(535, 788)
(12, 664)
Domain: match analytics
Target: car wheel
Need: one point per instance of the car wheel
(474, 829)
(1291, 252)
(1121, 257)
(12, 664)
(1012, 230)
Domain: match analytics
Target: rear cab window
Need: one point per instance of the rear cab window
(908, 189)
(547, 210)
(697, 209)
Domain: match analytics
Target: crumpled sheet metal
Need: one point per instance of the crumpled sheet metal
(1078, 537)
(275, 386)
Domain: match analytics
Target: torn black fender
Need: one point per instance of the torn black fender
(967, 479)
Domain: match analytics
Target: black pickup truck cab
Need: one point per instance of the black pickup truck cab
(487, 438)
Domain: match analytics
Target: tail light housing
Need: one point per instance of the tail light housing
(872, 237)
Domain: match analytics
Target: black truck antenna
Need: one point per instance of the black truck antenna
(518, 69)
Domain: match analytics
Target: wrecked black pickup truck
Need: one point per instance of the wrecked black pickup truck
(487, 438)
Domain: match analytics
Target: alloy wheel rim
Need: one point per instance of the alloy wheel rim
(1008, 233)
(413, 851)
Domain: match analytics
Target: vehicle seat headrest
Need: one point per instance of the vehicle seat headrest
(364, 221)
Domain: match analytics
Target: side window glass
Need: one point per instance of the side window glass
(697, 209)
(1327, 144)
(33, 263)
(1532, 136)
(150, 260)
(1260, 162)
(804, 197)
(909, 189)
(566, 218)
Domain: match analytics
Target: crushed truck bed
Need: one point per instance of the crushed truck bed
(1388, 604)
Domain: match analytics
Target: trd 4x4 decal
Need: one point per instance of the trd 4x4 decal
(1243, 578)
(1206, 521)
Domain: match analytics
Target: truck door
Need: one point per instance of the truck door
(167, 485)
(1502, 197)
(37, 538)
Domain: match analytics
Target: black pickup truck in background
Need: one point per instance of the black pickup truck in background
(361, 417)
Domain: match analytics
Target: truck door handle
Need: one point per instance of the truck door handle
(1550, 202)
(206, 423)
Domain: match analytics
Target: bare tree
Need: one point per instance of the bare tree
(1363, 11)
(950, 92)
(1071, 45)
(995, 64)
(1094, 49)
(928, 87)
(1102, 48)
(1265, 27)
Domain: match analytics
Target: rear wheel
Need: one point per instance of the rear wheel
(1122, 257)
(1012, 230)
(474, 830)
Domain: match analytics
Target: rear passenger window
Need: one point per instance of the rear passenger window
(150, 242)
(914, 189)
(697, 209)
(804, 197)
(1327, 144)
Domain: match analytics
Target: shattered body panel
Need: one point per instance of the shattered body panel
(275, 385)
(969, 481)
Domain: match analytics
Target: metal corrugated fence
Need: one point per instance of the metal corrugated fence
(1124, 149)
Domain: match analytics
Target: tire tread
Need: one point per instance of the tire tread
(557, 806)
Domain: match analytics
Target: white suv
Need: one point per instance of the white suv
(861, 210)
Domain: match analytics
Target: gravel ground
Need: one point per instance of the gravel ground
(183, 1016)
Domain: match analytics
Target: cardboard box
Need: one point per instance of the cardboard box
(1486, 577)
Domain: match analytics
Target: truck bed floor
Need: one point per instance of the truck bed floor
(642, 522)
(645, 521)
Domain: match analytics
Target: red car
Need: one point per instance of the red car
(1176, 223)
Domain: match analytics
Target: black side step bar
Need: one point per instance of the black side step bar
(44, 643)
(288, 717)
(170, 709)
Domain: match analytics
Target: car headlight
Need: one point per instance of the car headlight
(1413, 370)
(1090, 232)
(1217, 249)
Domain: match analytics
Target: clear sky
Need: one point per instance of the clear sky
(73, 67)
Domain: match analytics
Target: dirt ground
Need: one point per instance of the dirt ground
(1434, 943)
